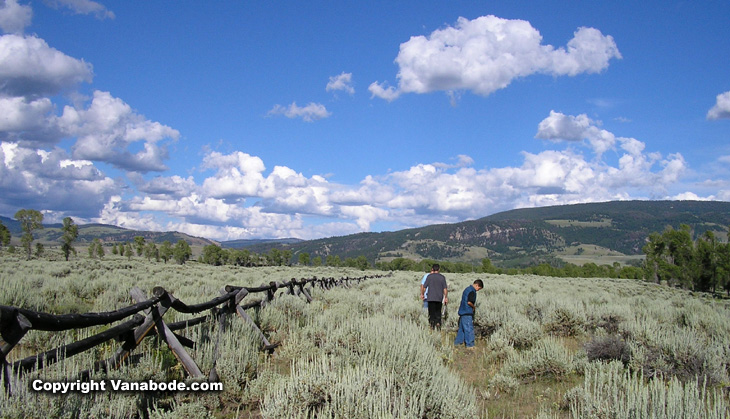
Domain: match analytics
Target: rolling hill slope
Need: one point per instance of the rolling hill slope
(603, 232)
(51, 234)
(531, 235)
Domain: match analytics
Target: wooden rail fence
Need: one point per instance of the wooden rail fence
(16, 322)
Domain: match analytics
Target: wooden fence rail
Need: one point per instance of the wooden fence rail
(145, 320)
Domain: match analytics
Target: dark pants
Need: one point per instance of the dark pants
(434, 314)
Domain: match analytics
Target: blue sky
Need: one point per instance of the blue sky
(291, 119)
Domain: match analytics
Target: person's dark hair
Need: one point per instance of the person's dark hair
(480, 283)
(435, 267)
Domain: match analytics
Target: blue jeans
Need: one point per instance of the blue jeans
(466, 331)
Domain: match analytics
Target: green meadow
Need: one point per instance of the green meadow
(546, 347)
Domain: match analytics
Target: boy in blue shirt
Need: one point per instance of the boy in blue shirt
(465, 334)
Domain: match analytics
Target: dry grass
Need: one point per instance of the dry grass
(529, 399)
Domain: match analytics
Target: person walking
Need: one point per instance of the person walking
(424, 293)
(465, 334)
(437, 295)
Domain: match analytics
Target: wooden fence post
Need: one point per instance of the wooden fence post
(304, 291)
(13, 326)
(222, 321)
(242, 313)
(166, 334)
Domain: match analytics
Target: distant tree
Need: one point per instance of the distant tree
(723, 265)
(212, 255)
(39, 249)
(115, 251)
(4, 235)
(487, 266)
(333, 260)
(128, 251)
(182, 251)
(166, 251)
(274, 257)
(317, 261)
(707, 258)
(30, 220)
(361, 262)
(96, 249)
(304, 258)
(286, 257)
(139, 243)
(151, 251)
(245, 257)
(655, 262)
(680, 251)
(70, 233)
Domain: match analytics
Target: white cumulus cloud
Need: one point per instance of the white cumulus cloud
(721, 110)
(486, 54)
(341, 82)
(14, 18)
(83, 7)
(309, 113)
(108, 127)
(51, 180)
(29, 67)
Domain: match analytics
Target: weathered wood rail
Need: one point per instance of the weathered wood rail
(143, 319)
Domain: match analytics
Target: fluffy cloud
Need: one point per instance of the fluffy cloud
(311, 112)
(173, 187)
(238, 175)
(14, 18)
(51, 180)
(29, 67)
(486, 54)
(341, 82)
(240, 197)
(28, 121)
(83, 7)
(558, 127)
(721, 110)
(107, 129)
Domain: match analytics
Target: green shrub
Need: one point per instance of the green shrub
(548, 358)
(563, 322)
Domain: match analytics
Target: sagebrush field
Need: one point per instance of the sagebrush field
(546, 347)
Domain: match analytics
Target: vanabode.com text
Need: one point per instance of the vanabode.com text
(85, 387)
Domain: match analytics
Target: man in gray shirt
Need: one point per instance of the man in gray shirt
(437, 295)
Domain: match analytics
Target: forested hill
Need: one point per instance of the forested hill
(531, 234)
(518, 237)
(51, 234)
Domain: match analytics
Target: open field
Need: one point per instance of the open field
(546, 347)
(606, 222)
(590, 253)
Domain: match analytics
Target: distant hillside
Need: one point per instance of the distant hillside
(605, 232)
(51, 234)
(610, 231)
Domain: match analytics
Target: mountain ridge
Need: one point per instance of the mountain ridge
(519, 236)
(530, 235)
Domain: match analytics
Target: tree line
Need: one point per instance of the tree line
(215, 255)
(702, 264)
(31, 220)
(672, 257)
